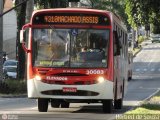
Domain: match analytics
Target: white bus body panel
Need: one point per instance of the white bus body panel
(105, 90)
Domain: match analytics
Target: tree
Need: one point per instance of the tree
(21, 13)
(44, 4)
(115, 6)
(144, 12)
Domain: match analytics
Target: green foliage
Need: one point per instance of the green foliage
(143, 12)
(100, 4)
(117, 7)
(156, 29)
(13, 87)
(44, 4)
(140, 39)
(151, 106)
(131, 12)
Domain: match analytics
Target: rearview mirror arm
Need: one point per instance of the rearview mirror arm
(22, 38)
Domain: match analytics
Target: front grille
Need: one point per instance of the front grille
(87, 82)
(53, 82)
(78, 93)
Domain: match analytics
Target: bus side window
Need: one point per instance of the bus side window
(117, 45)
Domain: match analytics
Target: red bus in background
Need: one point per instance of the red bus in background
(60, 73)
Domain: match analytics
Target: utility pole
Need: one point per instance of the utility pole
(1, 40)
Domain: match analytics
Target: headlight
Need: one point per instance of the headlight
(38, 77)
(100, 79)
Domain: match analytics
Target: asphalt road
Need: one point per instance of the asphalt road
(145, 82)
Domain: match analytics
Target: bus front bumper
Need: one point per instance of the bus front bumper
(38, 89)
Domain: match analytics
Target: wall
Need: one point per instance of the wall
(9, 30)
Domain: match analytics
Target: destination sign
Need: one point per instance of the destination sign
(70, 18)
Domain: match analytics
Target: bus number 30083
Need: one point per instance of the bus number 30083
(95, 72)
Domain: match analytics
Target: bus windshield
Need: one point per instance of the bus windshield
(74, 48)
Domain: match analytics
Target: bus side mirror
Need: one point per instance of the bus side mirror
(21, 36)
(22, 41)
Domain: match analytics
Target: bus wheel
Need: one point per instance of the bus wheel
(130, 75)
(42, 105)
(118, 103)
(107, 106)
(64, 104)
(55, 103)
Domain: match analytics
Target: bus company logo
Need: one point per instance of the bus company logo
(56, 78)
(70, 71)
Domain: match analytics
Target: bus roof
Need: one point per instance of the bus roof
(71, 9)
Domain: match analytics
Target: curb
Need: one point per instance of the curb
(146, 99)
(140, 103)
(13, 96)
(137, 52)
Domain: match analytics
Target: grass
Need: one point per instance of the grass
(13, 87)
(149, 110)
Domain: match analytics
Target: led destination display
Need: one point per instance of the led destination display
(70, 18)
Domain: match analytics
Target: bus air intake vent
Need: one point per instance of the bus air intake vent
(87, 82)
(78, 93)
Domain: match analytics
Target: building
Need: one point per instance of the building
(9, 30)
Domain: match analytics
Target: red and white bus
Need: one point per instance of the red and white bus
(60, 73)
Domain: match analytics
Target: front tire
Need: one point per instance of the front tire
(107, 106)
(118, 103)
(129, 75)
(55, 103)
(42, 105)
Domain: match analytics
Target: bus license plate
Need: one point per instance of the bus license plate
(69, 89)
